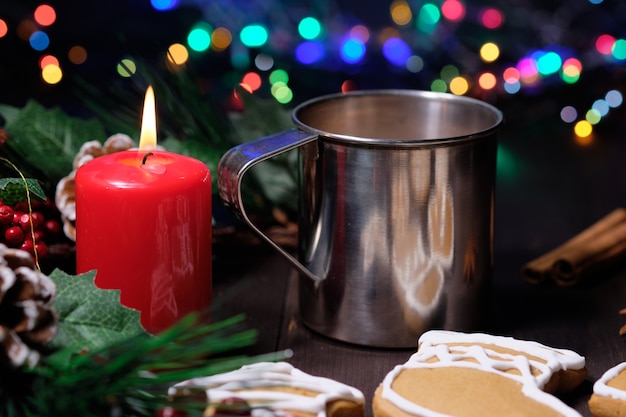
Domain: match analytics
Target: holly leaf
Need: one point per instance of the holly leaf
(13, 190)
(90, 317)
(48, 139)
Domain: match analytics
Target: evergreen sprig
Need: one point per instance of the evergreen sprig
(128, 378)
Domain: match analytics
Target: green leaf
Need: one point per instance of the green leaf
(49, 139)
(9, 114)
(13, 190)
(261, 117)
(89, 316)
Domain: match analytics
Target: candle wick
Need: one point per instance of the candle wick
(145, 157)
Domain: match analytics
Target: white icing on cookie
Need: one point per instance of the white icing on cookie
(601, 388)
(556, 359)
(486, 363)
(252, 382)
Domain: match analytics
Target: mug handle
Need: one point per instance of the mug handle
(239, 159)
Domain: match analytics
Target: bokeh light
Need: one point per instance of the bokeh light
(126, 67)
(614, 98)
(77, 54)
(279, 76)
(415, 64)
(487, 81)
(619, 50)
(39, 40)
(254, 36)
(512, 86)
(164, 5)
(459, 86)
(310, 52)
(199, 37)
(583, 128)
(264, 62)
(348, 85)
(177, 54)
(601, 106)
(604, 44)
(252, 80)
(511, 75)
(448, 72)
(352, 51)
(548, 63)
(568, 114)
(239, 56)
(593, 116)
(528, 71)
(453, 10)
(25, 29)
(45, 15)
(489, 52)
(309, 28)
(401, 13)
(571, 70)
(48, 60)
(439, 86)
(4, 28)
(428, 18)
(396, 51)
(281, 92)
(221, 38)
(491, 18)
(52, 74)
(360, 32)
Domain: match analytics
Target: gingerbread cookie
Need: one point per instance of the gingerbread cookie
(456, 374)
(275, 389)
(556, 370)
(609, 393)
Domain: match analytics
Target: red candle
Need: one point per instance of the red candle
(143, 221)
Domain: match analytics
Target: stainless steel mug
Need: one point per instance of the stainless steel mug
(396, 211)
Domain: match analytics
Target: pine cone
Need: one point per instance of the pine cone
(65, 197)
(27, 319)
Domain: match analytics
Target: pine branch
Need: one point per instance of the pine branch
(129, 377)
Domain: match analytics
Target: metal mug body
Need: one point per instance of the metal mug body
(396, 213)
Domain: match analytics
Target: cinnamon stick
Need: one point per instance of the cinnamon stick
(595, 247)
(594, 255)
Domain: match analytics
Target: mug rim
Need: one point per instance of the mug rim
(424, 94)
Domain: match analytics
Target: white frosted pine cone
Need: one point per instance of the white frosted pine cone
(65, 196)
(27, 319)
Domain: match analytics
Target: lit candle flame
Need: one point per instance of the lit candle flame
(148, 136)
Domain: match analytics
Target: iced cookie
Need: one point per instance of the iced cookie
(475, 374)
(609, 393)
(276, 389)
(555, 370)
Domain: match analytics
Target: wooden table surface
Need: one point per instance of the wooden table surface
(548, 189)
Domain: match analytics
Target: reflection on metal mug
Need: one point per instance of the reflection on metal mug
(396, 211)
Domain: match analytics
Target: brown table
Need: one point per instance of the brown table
(548, 189)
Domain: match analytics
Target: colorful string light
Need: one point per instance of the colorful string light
(406, 39)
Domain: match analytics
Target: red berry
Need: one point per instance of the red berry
(6, 215)
(14, 236)
(28, 246)
(233, 406)
(42, 249)
(38, 235)
(170, 412)
(16, 217)
(38, 220)
(34, 221)
(52, 227)
(23, 207)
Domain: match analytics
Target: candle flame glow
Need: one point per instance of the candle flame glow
(148, 135)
